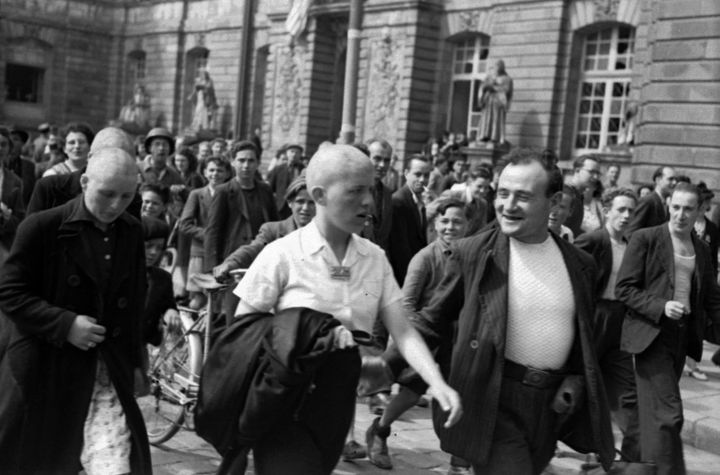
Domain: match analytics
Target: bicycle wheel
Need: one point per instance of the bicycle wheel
(173, 371)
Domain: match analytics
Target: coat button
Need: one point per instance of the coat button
(474, 344)
(122, 302)
(73, 280)
(116, 332)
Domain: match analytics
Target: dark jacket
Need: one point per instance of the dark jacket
(474, 290)
(597, 243)
(194, 219)
(257, 374)
(279, 179)
(25, 170)
(646, 281)
(651, 211)
(228, 224)
(407, 235)
(711, 237)
(243, 256)
(12, 189)
(49, 279)
(379, 230)
(159, 300)
(577, 211)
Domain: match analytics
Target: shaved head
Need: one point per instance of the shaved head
(109, 184)
(334, 163)
(111, 137)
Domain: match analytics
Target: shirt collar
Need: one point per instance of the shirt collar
(313, 242)
(81, 213)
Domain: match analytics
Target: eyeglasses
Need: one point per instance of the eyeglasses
(592, 172)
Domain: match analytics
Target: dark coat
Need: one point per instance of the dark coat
(159, 300)
(577, 211)
(56, 190)
(711, 237)
(257, 373)
(407, 235)
(597, 244)
(25, 170)
(228, 224)
(49, 279)
(243, 256)
(279, 179)
(474, 290)
(194, 219)
(12, 189)
(651, 211)
(646, 281)
(379, 230)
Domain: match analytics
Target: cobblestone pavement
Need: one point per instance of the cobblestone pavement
(415, 448)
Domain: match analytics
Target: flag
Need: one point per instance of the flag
(297, 18)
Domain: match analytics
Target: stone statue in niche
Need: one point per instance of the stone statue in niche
(495, 97)
(206, 106)
(136, 113)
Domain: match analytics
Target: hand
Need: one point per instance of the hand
(85, 333)
(375, 376)
(675, 310)
(172, 321)
(221, 272)
(6, 212)
(570, 395)
(449, 400)
(342, 338)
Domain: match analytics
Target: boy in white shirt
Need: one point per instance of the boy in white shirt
(327, 267)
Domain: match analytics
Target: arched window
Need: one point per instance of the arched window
(469, 65)
(607, 63)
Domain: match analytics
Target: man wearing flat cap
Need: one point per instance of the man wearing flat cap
(282, 175)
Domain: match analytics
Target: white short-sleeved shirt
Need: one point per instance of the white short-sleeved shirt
(295, 271)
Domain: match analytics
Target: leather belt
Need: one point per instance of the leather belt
(534, 377)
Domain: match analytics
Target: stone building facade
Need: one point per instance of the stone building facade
(634, 80)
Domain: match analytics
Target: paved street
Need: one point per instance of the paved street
(415, 448)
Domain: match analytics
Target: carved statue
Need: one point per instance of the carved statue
(495, 98)
(137, 111)
(206, 105)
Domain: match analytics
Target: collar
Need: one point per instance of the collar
(80, 213)
(313, 242)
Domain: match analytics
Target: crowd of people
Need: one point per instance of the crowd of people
(551, 305)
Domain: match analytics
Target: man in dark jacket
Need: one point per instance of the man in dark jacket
(408, 233)
(652, 209)
(607, 246)
(668, 283)
(71, 296)
(524, 352)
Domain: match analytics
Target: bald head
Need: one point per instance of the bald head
(111, 137)
(333, 163)
(109, 184)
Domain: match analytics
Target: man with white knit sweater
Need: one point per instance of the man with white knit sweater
(524, 360)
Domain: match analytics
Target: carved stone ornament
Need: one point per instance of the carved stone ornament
(290, 82)
(606, 9)
(470, 20)
(384, 87)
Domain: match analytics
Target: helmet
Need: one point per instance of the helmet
(160, 133)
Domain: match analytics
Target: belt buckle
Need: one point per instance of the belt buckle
(535, 377)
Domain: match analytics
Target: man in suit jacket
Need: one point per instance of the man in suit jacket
(408, 233)
(586, 172)
(378, 231)
(607, 245)
(71, 294)
(652, 209)
(667, 282)
(303, 211)
(524, 351)
(237, 211)
(24, 168)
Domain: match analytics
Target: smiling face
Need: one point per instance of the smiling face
(302, 207)
(521, 203)
(152, 205)
(451, 225)
(215, 174)
(76, 146)
(153, 251)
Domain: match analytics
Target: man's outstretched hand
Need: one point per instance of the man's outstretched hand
(449, 401)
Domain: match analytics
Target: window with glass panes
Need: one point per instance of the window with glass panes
(136, 67)
(605, 87)
(468, 67)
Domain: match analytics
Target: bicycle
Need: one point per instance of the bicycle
(175, 365)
